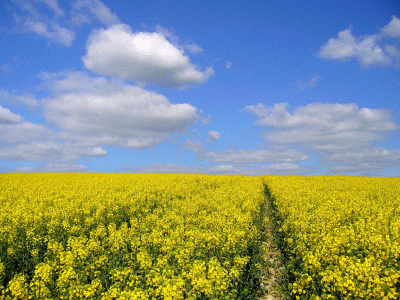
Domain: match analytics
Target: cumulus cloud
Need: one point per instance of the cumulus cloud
(213, 136)
(142, 57)
(88, 113)
(324, 126)
(24, 132)
(78, 82)
(368, 161)
(246, 156)
(365, 49)
(339, 133)
(117, 114)
(393, 28)
(7, 117)
(346, 45)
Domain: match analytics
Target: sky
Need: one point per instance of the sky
(214, 87)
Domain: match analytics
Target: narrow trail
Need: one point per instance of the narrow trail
(270, 282)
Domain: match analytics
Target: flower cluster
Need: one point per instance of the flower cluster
(127, 236)
(340, 235)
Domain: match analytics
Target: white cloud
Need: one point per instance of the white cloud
(117, 114)
(242, 156)
(61, 167)
(301, 86)
(24, 170)
(393, 28)
(346, 45)
(24, 132)
(365, 160)
(96, 8)
(275, 169)
(11, 64)
(165, 168)
(14, 98)
(39, 23)
(204, 119)
(7, 117)
(192, 145)
(229, 65)
(145, 58)
(222, 169)
(48, 152)
(53, 167)
(79, 19)
(342, 135)
(366, 49)
(326, 127)
(394, 53)
(54, 32)
(90, 112)
(52, 4)
(213, 136)
(79, 82)
(193, 48)
(28, 7)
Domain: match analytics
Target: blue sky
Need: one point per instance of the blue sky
(233, 87)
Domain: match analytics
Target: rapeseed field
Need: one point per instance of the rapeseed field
(340, 235)
(129, 236)
(192, 236)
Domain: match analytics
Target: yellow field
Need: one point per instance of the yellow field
(181, 236)
(340, 235)
(129, 236)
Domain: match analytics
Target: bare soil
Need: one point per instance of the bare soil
(271, 282)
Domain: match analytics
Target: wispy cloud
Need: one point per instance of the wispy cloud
(57, 27)
(54, 32)
(11, 64)
(194, 145)
(84, 10)
(31, 18)
(248, 156)
(275, 169)
(49, 152)
(193, 48)
(302, 86)
(54, 167)
(213, 136)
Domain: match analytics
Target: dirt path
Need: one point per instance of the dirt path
(270, 283)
